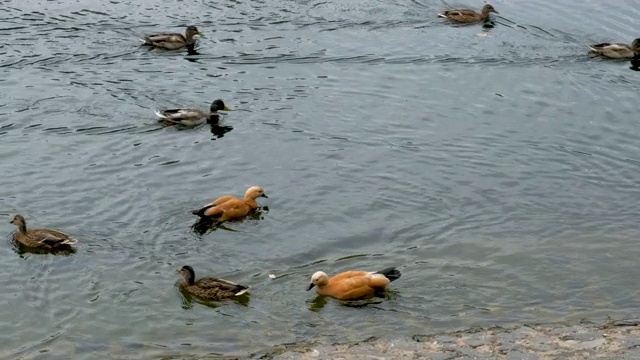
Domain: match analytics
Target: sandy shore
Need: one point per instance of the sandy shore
(613, 340)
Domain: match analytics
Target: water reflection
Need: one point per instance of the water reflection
(22, 250)
(635, 63)
(219, 131)
(205, 224)
(320, 301)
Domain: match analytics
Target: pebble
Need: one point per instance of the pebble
(520, 343)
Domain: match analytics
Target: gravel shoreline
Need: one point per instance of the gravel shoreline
(613, 340)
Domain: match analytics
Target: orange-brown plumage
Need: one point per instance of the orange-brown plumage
(353, 285)
(230, 208)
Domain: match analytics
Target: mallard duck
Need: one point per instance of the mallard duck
(209, 288)
(40, 238)
(230, 208)
(192, 117)
(353, 285)
(616, 50)
(467, 15)
(173, 41)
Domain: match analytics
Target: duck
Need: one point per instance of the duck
(354, 284)
(230, 208)
(615, 50)
(467, 15)
(209, 288)
(194, 117)
(173, 41)
(42, 238)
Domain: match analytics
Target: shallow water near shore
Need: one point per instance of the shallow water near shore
(496, 167)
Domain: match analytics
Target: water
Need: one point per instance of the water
(500, 172)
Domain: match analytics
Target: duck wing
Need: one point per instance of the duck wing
(461, 15)
(164, 38)
(53, 238)
(214, 203)
(181, 114)
(212, 283)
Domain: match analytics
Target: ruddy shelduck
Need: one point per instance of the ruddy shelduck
(230, 208)
(353, 285)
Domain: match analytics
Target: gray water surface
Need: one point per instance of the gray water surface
(498, 168)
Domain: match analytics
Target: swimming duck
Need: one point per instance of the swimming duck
(209, 288)
(40, 238)
(229, 208)
(353, 285)
(173, 41)
(615, 51)
(193, 117)
(467, 15)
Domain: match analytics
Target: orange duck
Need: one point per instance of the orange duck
(230, 208)
(353, 285)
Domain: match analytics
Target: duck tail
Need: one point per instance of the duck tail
(442, 15)
(70, 241)
(161, 115)
(200, 212)
(243, 290)
(390, 273)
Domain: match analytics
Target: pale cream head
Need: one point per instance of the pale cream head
(319, 278)
(255, 192)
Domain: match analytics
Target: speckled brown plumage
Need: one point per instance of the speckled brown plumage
(47, 239)
(467, 15)
(209, 288)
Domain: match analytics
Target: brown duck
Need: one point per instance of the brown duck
(40, 238)
(173, 41)
(209, 288)
(230, 208)
(615, 51)
(467, 15)
(353, 285)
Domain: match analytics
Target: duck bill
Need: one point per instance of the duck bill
(226, 108)
(264, 196)
(200, 33)
(310, 286)
(179, 271)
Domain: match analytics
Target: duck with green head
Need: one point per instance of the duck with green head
(193, 117)
(615, 50)
(173, 41)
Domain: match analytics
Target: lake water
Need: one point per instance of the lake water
(498, 168)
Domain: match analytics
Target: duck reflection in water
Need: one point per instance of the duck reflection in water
(205, 224)
(635, 62)
(218, 130)
(192, 51)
